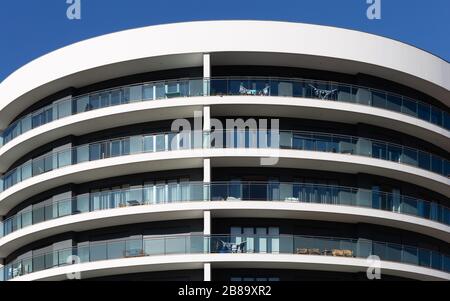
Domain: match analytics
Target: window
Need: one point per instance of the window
(255, 240)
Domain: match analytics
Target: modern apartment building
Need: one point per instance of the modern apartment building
(97, 185)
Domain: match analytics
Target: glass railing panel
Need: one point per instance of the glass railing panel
(410, 107)
(409, 156)
(176, 245)
(424, 257)
(393, 252)
(154, 246)
(437, 165)
(134, 248)
(436, 260)
(379, 99)
(394, 103)
(196, 87)
(436, 116)
(98, 251)
(424, 111)
(346, 93)
(446, 215)
(446, 122)
(83, 253)
(446, 263)
(410, 255)
(65, 257)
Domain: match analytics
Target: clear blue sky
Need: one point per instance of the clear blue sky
(31, 28)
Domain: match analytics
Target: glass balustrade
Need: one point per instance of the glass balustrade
(259, 86)
(227, 191)
(310, 141)
(331, 143)
(218, 244)
(156, 142)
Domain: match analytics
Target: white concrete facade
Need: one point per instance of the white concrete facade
(203, 45)
(264, 261)
(186, 43)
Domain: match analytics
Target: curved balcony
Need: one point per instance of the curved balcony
(228, 191)
(309, 141)
(344, 248)
(256, 86)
